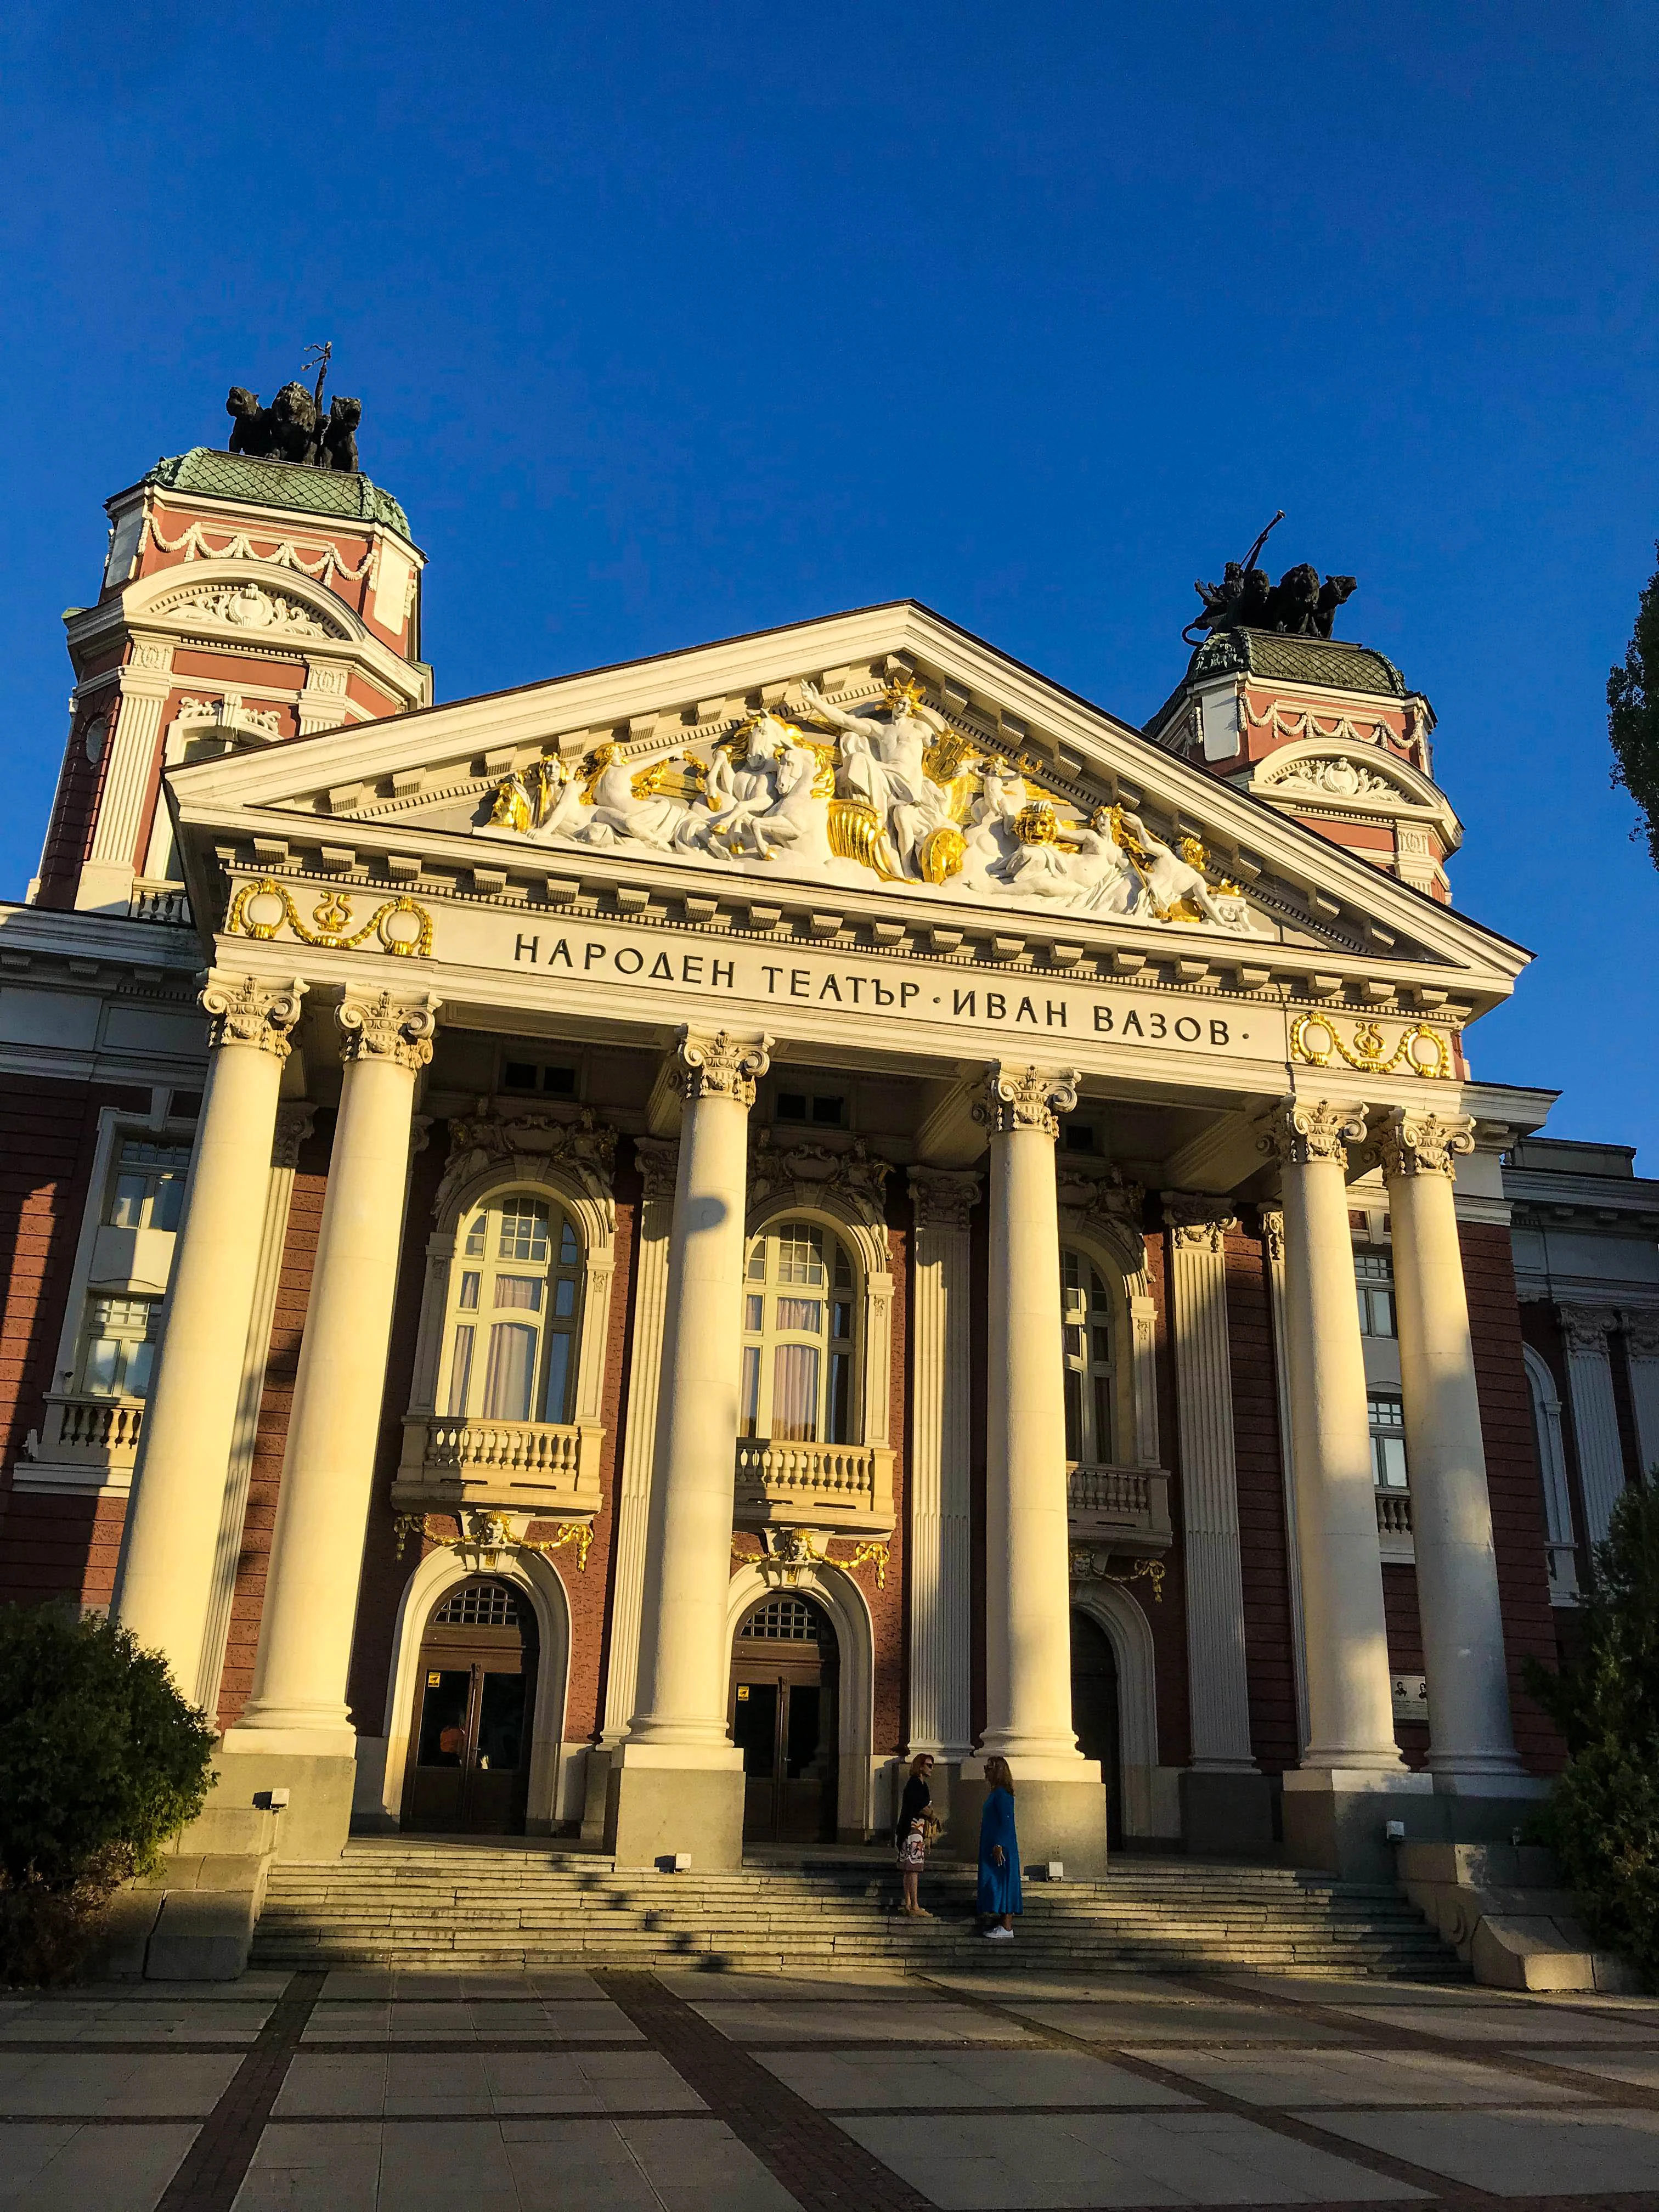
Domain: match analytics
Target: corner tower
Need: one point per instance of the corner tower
(244, 600)
(1325, 731)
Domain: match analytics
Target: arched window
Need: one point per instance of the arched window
(1086, 1333)
(515, 1303)
(798, 1342)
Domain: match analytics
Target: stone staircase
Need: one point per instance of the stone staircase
(457, 1906)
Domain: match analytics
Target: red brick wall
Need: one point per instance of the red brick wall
(1265, 1568)
(50, 1546)
(887, 1607)
(1512, 1479)
(75, 807)
(1405, 1633)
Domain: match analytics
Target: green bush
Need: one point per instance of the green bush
(101, 1762)
(1602, 1817)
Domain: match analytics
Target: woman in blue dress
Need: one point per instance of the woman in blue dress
(999, 1854)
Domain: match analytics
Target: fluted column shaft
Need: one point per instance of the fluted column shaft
(322, 1510)
(1027, 1654)
(940, 1510)
(165, 1583)
(684, 1659)
(1350, 1706)
(1457, 1599)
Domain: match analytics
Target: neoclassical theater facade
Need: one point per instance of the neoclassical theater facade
(618, 1258)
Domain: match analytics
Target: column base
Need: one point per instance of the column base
(654, 1807)
(1227, 1815)
(1054, 1819)
(319, 1786)
(1334, 1818)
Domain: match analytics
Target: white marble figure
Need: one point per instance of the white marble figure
(882, 763)
(766, 796)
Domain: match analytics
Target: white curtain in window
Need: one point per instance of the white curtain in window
(510, 1374)
(795, 1393)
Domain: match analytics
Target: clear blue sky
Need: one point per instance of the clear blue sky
(671, 322)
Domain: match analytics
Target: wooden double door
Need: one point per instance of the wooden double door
(785, 1718)
(469, 1771)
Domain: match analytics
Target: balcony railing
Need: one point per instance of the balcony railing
(159, 903)
(814, 1486)
(83, 1444)
(549, 1467)
(1394, 1513)
(1126, 1507)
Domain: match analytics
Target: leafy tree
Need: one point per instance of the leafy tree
(1602, 1817)
(1633, 714)
(101, 1762)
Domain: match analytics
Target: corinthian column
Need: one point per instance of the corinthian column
(1332, 1817)
(676, 1784)
(298, 1708)
(941, 1511)
(1028, 1615)
(165, 1579)
(1471, 1747)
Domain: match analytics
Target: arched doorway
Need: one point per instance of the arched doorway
(786, 1679)
(470, 1772)
(1095, 1713)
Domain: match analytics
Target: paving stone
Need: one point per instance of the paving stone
(111, 2168)
(527, 2019)
(1127, 2022)
(993, 2161)
(1514, 2023)
(1303, 2079)
(850, 2022)
(1518, 2154)
(404, 2084)
(1640, 2069)
(177, 2085)
(63, 2019)
(944, 2080)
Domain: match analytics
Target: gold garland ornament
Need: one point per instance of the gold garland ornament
(260, 910)
(1087, 1567)
(797, 1550)
(1417, 1051)
(578, 1534)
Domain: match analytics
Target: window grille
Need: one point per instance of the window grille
(479, 1605)
(784, 1620)
(1086, 1344)
(1374, 1280)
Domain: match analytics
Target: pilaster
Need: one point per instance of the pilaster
(941, 1388)
(1584, 1334)
(1642, 1351)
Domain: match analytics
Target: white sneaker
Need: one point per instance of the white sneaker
(999, 1934)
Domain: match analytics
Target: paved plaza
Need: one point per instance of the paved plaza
(368, 2091)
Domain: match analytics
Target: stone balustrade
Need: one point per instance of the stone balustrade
(814, 1486)
(1128, 1507)
(1394, 1513)
(542, 1467)
(83, 1443)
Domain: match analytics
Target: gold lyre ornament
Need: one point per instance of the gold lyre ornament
(1315, 1039)
(260, 910)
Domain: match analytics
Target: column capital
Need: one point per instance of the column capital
(1305, 1129)
(248, 1010)
(943, 1199)
(1411, 1143)
(378, 1025)
(720, 1066)
(1196, 1220)
(1027, 1099)
(1642, 1331)
(1273, 1233)
(1585, 1330)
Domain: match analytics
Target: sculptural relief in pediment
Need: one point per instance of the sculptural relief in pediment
(890, 793)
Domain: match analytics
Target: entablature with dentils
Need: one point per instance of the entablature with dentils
(671, 817)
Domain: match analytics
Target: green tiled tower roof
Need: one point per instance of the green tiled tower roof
(217, 475)
(1268, 653)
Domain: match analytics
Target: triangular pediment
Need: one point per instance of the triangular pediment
(883, 763)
